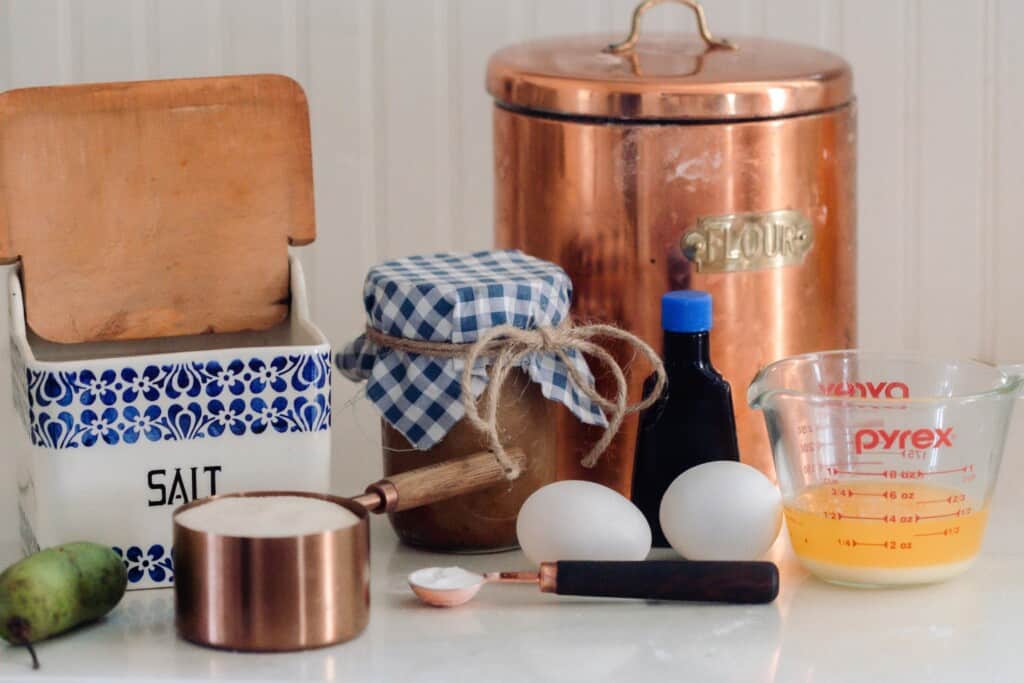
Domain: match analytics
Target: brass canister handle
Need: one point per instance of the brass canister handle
(702, 26)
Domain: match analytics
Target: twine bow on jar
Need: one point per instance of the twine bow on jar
(506, 346)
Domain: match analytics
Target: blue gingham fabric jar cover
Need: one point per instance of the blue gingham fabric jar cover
(452, 298)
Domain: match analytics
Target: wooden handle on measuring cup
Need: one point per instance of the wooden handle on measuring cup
(444, 480)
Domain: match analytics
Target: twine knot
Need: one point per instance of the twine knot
(546, 339)
(507, 346)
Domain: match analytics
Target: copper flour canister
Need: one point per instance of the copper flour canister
(683, 162)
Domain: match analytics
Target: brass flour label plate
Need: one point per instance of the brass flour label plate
(748, 241)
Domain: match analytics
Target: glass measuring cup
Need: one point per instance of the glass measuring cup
(886, 462)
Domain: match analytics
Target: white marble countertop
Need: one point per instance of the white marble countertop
(966, 629)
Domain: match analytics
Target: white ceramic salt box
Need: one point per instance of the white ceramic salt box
(160, 335)
(117, 434)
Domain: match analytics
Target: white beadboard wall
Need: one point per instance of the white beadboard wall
(401, 132)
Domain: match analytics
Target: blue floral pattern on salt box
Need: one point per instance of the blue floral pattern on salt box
(153, 563)
(178, 401)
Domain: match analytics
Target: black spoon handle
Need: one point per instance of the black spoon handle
(736, 582)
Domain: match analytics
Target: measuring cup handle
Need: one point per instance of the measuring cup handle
(735, 582)
(444, 480)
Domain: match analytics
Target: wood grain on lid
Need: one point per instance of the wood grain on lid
(155, 208)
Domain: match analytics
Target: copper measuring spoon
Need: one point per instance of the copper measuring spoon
(676, 580)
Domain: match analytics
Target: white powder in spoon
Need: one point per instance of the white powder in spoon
(444, 578)
(267, 516)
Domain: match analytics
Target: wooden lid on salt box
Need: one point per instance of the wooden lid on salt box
(155, 208)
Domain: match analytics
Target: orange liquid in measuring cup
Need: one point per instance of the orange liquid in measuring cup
(874, 533)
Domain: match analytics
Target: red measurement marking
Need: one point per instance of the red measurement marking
(951, 514)
(849, 493)
(956, 498)
(948, 531)
(888, 545)
(879, 519)
(833, 470)
(958, 469)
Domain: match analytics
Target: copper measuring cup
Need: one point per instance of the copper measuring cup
(297, 592)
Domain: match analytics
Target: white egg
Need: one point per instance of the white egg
(580, 520)
(721, 510)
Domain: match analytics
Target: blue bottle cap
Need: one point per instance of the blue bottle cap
(686, 310)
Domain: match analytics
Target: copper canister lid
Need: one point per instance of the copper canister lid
(272, 593)
(668, 77)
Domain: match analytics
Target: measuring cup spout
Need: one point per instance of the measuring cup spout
(1015, 375)
(757, 390)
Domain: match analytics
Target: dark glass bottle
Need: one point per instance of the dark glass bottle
(692, 422)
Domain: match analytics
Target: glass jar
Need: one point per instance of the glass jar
(483, 521)
(429, 315)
